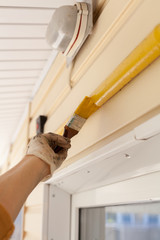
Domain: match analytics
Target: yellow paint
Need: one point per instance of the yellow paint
(86, 108)
(144, 54)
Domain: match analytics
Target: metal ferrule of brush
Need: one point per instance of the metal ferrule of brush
(76, 122)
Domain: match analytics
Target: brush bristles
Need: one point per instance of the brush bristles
(76, 122)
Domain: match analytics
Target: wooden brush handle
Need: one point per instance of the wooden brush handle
(68, 133)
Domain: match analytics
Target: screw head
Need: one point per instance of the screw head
(127, 156)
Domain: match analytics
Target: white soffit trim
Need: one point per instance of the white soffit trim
(148, 129)
(126, 157)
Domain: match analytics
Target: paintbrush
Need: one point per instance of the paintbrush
(86, 108)
(141, 57)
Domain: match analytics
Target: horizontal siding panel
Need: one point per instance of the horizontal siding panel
(52, 76)
(48, 110)
(30, 236)
(22, 65)
(36, 197)
(17, 158)
(55, 95)
(24, 55)
(53, 99)
(25, 16)
(33, 220)
(124, 107)
(22, 31)
(102, 34)
(19, 146)
(32, 127)
(23, 44)
(17, 155)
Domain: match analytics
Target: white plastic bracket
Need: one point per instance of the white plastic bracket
(83, 29)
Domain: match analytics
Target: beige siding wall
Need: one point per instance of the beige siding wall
(119, 27)
(33, 214)
(18, 149)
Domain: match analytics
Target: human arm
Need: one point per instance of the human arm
(17, 183)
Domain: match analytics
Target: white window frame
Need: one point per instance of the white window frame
(56, 214)
(131, 192)
(88, 182)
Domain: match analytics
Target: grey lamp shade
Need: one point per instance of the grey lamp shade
(61, 27)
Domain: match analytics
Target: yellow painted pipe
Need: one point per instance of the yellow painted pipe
(143, 55)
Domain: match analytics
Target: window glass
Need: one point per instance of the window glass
(137, 221)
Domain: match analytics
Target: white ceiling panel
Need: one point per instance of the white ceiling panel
(15, 95)
(8, 124)
(23, 44)
(16, 89)
(16, 81)
(36, 3)
(19, 73)
(25, 16)
(7, 114)
(12, 101)
(24, 55)
(11, 110)
(12, 118)
(22, 65)
(22, 31)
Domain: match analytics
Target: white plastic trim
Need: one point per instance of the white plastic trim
(45, 214)
(127, 192)
(79, 15)
(148, 129)
(86, 28)
(107, 151)
(124, 158)
(117, 173)
(56, 214)
(80, 30)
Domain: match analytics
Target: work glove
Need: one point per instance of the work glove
(43, 145)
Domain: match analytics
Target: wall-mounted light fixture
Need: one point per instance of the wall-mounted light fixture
(69, 28)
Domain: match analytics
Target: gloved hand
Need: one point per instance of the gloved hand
(42, 146)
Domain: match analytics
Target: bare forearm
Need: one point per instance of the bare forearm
(40, 161)
(18, 183)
